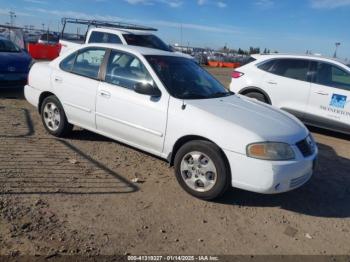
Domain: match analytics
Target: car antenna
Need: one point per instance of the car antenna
(183, 107)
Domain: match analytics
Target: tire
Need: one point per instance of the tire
(258, 96)
(212, 182)
(54, 118)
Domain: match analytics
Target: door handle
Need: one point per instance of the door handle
(58, 79)
(272, 82)
(322, 93)
(105, 94)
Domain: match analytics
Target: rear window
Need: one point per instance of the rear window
(266, 65)
(291, 68)
(150, 41)
(101, 37)
(250, 60)
(8, 46)
(49, 37)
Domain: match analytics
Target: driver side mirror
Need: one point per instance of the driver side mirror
(147, 89)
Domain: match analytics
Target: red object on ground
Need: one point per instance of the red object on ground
(43, 51)
(223, 64)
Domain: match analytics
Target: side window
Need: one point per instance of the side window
(114, 39)
(96, 37)
(100, 37)
(67, 63)
(291, 68)
(126, 70)
(333, 76)
(88, 62)
(266, 66)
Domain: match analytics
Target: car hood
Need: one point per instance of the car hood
(248, 120)
(14, 62)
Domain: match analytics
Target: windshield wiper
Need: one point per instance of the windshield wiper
(193, 96)
(221, 94)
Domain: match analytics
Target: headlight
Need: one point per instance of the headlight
(270, 151)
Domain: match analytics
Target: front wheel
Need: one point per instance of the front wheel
(201, 170)
(54, 117)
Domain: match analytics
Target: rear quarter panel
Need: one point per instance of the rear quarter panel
(252, 77)
(40, 76)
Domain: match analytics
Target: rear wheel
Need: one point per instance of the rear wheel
(201, 170)
(54, 117)
(258, 96)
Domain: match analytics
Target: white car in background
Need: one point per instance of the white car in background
(313, 88)
(167, 105)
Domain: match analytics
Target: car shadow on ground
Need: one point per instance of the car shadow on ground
(327, 194)
(86, 135)
(329, 133)
(33, 164)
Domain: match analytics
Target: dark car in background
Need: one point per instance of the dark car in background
(14, 64)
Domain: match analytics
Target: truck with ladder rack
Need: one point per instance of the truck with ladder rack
(108, 32)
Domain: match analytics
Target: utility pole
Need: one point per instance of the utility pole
(336, 49)
(12, 18)
(181, 35)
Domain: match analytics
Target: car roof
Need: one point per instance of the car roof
(135, 49)
(303, 56)
(123, 31)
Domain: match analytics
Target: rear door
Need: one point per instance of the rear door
(76, 85)
(329, 103)
(287, 83)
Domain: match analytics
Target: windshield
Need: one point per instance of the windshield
(151, 41)
(184, 79)
(8, 46)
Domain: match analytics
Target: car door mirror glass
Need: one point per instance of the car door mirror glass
(147, 89)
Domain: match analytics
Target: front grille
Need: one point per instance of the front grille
(296, 182)
(306, 146)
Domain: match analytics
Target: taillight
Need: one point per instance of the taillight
(236, 74)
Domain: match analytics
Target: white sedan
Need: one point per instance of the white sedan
(167, 105)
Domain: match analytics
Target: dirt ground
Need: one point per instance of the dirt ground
(76, 196)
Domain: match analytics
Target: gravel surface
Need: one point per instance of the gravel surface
(89, 195)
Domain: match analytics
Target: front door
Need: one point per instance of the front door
(135, 119)
(329, 104)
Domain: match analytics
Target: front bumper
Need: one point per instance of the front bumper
(270, 177)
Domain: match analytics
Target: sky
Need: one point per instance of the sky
(288, 26)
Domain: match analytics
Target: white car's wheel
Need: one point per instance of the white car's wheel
(201, 170)
(54, 117)
(258, 96)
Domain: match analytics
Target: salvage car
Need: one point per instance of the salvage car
(165, 104)
(315, 89)
(14, 64)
